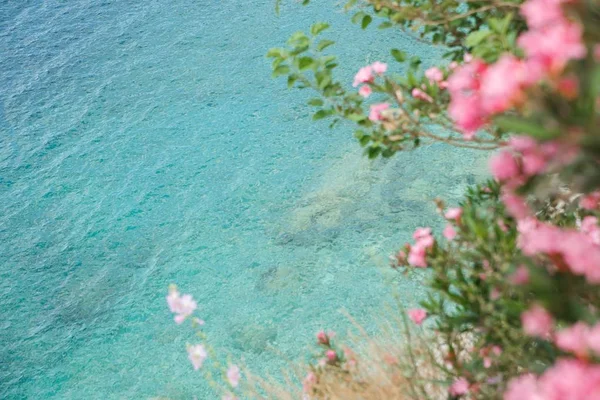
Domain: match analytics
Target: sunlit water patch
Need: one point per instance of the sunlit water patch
(144, 143)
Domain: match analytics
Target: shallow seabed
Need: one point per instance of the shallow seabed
(144, 143)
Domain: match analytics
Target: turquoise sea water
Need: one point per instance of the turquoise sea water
(144, 143)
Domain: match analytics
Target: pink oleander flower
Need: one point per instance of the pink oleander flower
(331, 355)
(365, 91)
(520, 276)
(197, 354)
(417, 256)
(181, 306)
(502, 84)
(376, 109)
(421, 95)
(553, 45)
(524, 387)
(593, 339)
(229, 396)
(537, 322)
(504, 166)
(449, 232)
(379, 68)
(580, 255)
(590, 201)
(570, 379)
(434, 74)
(459, 387)
(454, 213)
(539, 13)
(465, 99)
(417, 315)
(364, 75)
(534, 162)
(466, 113)
(515, 205)
(573, 339)
(233, 375)
(421, 233)
(522, 144)
(418, 252)
(589, 226)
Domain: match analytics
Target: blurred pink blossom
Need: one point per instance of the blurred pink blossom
(537, 321)
(197, 354)
(233, 375)
(376, 109)
(459, 387)
(379, 68)
(364, 75)
(417, 315)
(181, 306)
(365, 91)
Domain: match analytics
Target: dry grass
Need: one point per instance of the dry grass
(398, 363)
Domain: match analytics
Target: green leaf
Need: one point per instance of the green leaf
(275, 52)
(528, 127)
(318, 28)
(476, 37)
(385, 25)
(415, 62)
(366, 21)
(305, 63)
(373, 152)
(291, 80)
(281, 70)
(323, 44)
(327, 59)
(399, 55)
(356, 117)
(315, 102)
(324, 82)
(356, 18)
(321, 114)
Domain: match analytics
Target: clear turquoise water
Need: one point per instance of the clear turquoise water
(144, 143)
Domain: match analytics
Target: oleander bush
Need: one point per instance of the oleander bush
(512, 310)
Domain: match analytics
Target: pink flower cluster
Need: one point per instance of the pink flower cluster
(418, 252)
(367, 75)
(579, 339)
(376, 110)
(479, 91)
(525, 157)
(567, 379)
(452, 214)
(181, 306)
(569, 249)
(590, 201)
(552, 40)
(436, 76)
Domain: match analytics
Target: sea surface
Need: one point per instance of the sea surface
(144, 143)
